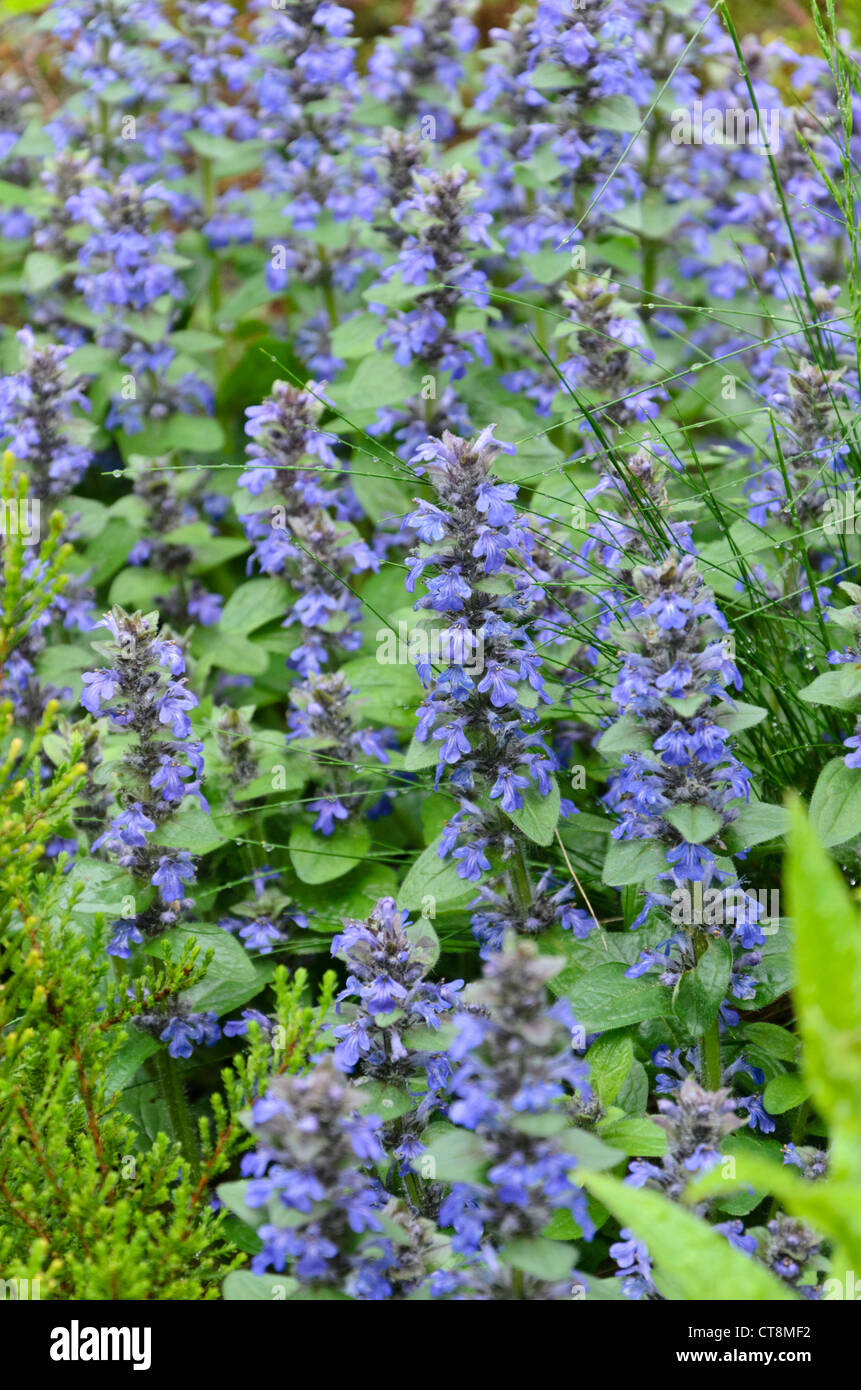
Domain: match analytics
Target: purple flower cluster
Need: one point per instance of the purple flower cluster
(306, 534)
(514, 1071)
(309, 1172)
(442, 230)
(677, 663)
(417, 70)
(389, 997)
(37, 416)
(143, 691)
(322, 718)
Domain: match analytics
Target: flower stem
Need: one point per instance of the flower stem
(170, 1082)
(207, 174)
(710, 1051)
(521, 887)
(710, 1067)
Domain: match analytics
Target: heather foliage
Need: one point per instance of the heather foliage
(430, 632)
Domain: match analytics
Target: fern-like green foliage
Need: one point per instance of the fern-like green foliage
(98, 1198)
(92, 1207)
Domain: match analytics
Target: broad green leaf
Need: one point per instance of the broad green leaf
(241, 1286)
(627, 735)
(252, 604)
(41, 271)
(228, 651)
(458, 1155)
(604, 998)
(320, 858)
(640, 1138)
(421, 755)
(616, 112)
(432, 877)
(755, 825)
(835, 807)
(702, 989)
(387, 1102)
(609, 1059)
(192, 829)
(701, 1263)
(784, 1092)
(633, 861)
(828, 991)
(546, 1259)
(695, 824)
(839, 688)
(539, 814)
(829, 1206)
(231, 978)
(232, 1195)
(739, 716)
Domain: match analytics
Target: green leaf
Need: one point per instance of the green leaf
(639, 1138)
(458, 1154)
(228, 651)
(695, 824)
(139, 588)
(421, 755)
(124, 1065)
(756, 824)
(627, 735)
(829, 1206)
(320, 858)
(633, 861)
(40, 272)
(232, 1195)
(835, 807)
(603, 999)
(196, 433)
(784, 1092)
(588, 1149)
(839, 688)
(828, 991)
(741, 716)
(546, 1259)
(356, 336)
(192, 829)
(432, 877)
(609, 1059)
(701, 1263)
(384, 691)
(388, 1102)
(254, 603)
(241, 1286)
(702, 989)
(241, 1235)
(231, 978)
(618, 112)
(539, 814)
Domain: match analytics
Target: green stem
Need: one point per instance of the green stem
(518, 875)
(710, 1050)
(799, 1129)
(710, 1067)
(207, 175)
(517, 1282)
(170, 1082)
(412, 1186)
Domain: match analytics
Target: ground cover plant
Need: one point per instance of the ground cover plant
(430, 621)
